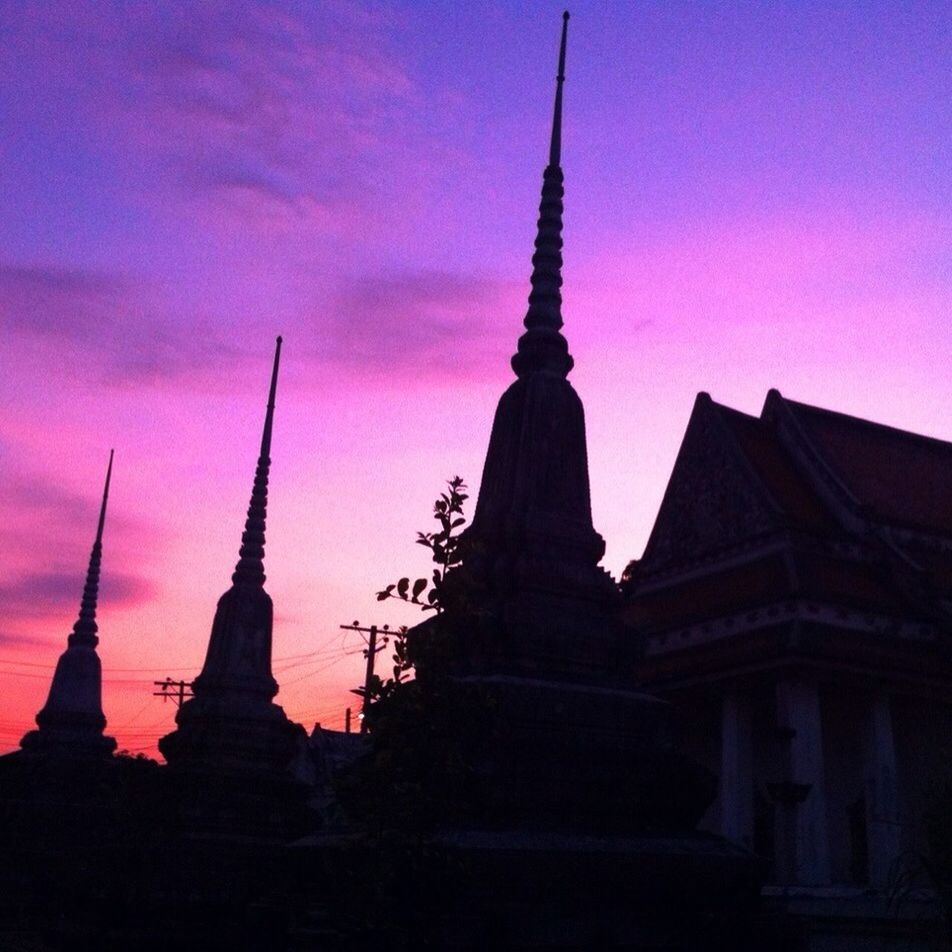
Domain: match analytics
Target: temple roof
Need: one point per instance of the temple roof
(798, 467)
(802, 536)
(786, 486)
(902, 478)
(800, 503)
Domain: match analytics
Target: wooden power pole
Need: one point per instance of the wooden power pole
(371, 653)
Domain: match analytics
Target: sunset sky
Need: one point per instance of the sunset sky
(757, 195)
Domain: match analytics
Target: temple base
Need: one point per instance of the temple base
(231, 769)
(486, 889)
(68, 741)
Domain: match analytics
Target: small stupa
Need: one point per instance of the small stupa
(71, 723)
(232, 722)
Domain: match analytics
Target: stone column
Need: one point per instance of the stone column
(799, 721)
(883, 828)
(736, 783)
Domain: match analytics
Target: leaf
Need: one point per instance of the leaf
(457, 522)
(432, 596)
(381, 596)
(402, 586)
(418, 587)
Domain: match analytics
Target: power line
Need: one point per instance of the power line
(191, 667)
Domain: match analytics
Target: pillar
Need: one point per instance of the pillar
(799, 720)
(736, 783)
(883, 828)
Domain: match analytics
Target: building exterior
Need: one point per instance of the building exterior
(795, 598)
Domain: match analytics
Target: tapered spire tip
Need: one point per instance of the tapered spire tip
(84, 631)
(250, 567)
(555, 149)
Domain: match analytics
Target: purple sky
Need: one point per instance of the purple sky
(758, 195)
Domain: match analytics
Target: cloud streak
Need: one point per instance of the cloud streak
(420, 324)
(117, 324)
(46, 594)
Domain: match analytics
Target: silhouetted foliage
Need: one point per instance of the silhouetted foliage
(436, 594)
(424, 726)
(445, 547)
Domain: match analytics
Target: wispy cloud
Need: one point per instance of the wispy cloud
(34, 498)
(21, 640)
(51, 593)
(766, 272)
(245, 108)
(120, 325)
(42, 522)
(423, 324)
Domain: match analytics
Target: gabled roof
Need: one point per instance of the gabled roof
(740, 481)
(791, 515)
(732, 481)
(792, 494)
(898, 478)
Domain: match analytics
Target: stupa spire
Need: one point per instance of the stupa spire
(85, 629)
(250, 567)
(531, 547)
(542, 347)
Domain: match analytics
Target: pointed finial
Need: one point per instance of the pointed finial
(542, 347)
(555, 148)
(84, 631)
(250, 567)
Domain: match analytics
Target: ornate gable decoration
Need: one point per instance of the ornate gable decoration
(712, 500)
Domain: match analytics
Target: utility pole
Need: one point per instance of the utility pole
(347, 721)
(176, 690)
(371, 654)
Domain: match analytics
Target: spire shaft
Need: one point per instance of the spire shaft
(85, 629)
(542, 347)
(250, 567)
(555, 148)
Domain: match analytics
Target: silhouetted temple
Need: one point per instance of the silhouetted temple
(796, 598)
(577, 765)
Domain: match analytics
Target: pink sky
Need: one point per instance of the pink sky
(757, 196)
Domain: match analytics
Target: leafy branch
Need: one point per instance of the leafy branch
(431, 594)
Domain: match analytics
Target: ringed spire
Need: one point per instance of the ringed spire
(250, 567)
(542, 347)
(85, 629)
